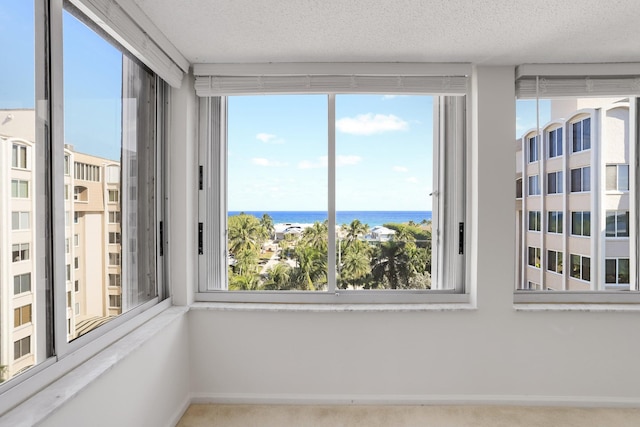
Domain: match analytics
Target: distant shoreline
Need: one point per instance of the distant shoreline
(371, 218)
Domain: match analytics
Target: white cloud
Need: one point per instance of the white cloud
(369, 124)
(348, 160)
(259, 161)
(413, 180)
(323, 162)
(400, 169)
(268, 138)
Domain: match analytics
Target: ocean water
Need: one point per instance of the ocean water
(371, 218)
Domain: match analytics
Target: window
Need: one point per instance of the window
(555, 143)
(67, 168)
(554, 182)
(534, 257)
(20, 220)
(554, 261)
(20, 252)
(114, 258)
(581, 179)
(22, 315)
(76, 217)
(346, 170)
(21, 283)
(21, 348)
(534, 185)
(19, 189)
(76, 240)
(581, 135)
(581, 267)
(617, 177)
(114, 217)
(554, 222)
(113, 196)
(76, 286)
(581, 223)
(80, 194)
(114, 238)
(86, 172)
(617, 224)
(19, 156)
(114, 279)
(115, 301)
(519, 188)
(617, 271)
(534, 220)
(534, 149)
(76, 263)
(68, 271)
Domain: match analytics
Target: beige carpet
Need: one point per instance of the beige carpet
(405, 416)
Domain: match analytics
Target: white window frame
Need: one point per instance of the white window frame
(448, 266)
(582, 170)
(557, 218)
(558, 255)
(555, 143)
(533, 149)
(616, 214)
(573, 126)
(550, 81)
(617, 166)
(537, 221)
(617, 261)
(533, 187)
(559, 181)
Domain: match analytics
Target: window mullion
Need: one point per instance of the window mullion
(331, 194)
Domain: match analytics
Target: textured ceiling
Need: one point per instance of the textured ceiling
(478, 31)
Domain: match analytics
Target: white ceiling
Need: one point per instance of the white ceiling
(478, 31)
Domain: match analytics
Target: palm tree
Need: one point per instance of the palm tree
(245, 232)
(390, 265)
(317, 236)
(356, 264)
(312, 267)
(246, 261)
(354, 230)
(278, 277)
(267, 224)
(244, 282)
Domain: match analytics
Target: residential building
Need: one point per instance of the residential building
(573, 207)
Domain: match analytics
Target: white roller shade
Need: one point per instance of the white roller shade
(576, 80)
(253, 79)
(125, 22)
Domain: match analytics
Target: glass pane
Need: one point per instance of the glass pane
(611, 224)
(384, 182)
(623, 177)
(577, 137)
(277, 192)
(612, 177)
(623, 270)
(576, 180)
(622, 224)
(610, 271)
(109, 110)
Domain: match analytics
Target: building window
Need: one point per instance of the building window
(554, 182)
(114, 217)
(22, 315)
(617, 271)
(554, 261)
(67, 246)
(114, 279)
(581, 223)
(581, 267)
(19, 156)
(581, 135)
(20, 252)
(77, 309)
(21, 283)
(617, 177)
(554, 222)
(534, 185)
(68, 272)
(76, 217)
(581, 179)
(114, 238)
(21, 348)
(555, 143)
(617, 224)
(67, 168)
(20, 220)
(114, 196)
(534, 257)
(114, 258)
(519, 188)
(86, 172)
(115, 301)
(19, 189)
(80, 194)
(534, 148)
(534, 220)
(76, 286)
(76, 263)
(76, 240)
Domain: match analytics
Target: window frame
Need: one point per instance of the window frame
(558, 181)
(213, 117)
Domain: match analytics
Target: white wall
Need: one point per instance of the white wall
(492, 354)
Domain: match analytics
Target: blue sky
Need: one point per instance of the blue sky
(278, 152)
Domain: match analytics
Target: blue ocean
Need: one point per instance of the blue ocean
(371, 218)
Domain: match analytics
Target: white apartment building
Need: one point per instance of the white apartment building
(573, 201)
(92, 244)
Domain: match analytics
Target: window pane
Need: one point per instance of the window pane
(576, 180)
(623, 270)
(383, 191)
(612, 177)
(611, 224)
(277, 192)
(622, 224)
(119, 114)
(623, 177)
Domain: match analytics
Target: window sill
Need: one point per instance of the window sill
(577, 300)
(328, 308)
(610, 308)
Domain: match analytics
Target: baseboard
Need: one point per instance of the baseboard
(494, 400)
(173, 420)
